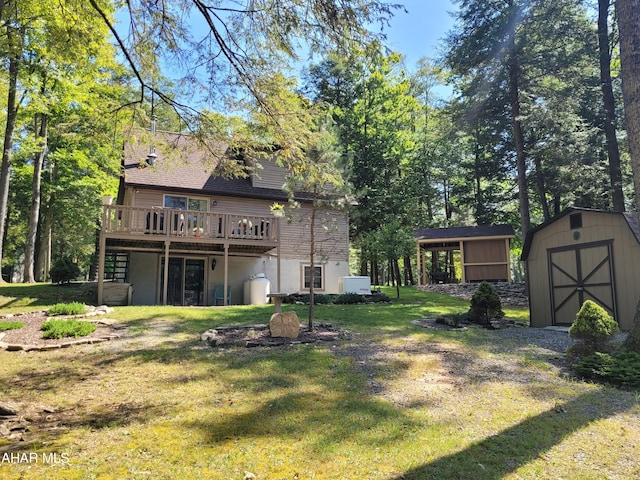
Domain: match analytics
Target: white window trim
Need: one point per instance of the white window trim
(188, 197)
(322, 287)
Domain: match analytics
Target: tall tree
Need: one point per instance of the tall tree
(230, 51)
(487, 45)
(628, 13)
(533, 63)
(13, 46)
(609, 104)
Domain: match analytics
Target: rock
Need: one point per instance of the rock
(102, 309)
(284, 324)
(6, 409)
(210, 336)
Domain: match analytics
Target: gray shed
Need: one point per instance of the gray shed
(583, 254)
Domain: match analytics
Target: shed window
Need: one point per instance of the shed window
(575, 220)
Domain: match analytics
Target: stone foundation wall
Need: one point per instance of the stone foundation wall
(510, 293)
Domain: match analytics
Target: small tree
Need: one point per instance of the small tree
(317, 173)
(594, 326)
(64, 270)
(485, 304)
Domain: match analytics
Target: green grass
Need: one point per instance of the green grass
(4, 326)
(23, 297)
(412, 405)
(62, 328)
(71, 308)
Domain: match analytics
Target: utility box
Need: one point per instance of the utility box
(355, 284)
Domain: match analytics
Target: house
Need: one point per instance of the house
(484, 253)
(583, 254)
(180, 235)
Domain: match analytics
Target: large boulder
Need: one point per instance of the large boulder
(286, 324)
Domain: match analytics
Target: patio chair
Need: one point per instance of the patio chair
(219, 296)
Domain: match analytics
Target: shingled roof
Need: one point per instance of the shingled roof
(464, 232)
(182, 166)
(629, 217)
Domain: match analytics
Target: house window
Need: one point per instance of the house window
(116, 266)
(575, 221)
(318, 279)
(186, 203)
(176, 203)
(193, 222)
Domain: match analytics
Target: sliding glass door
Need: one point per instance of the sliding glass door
(185, 284)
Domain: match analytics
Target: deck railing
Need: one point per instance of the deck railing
(187, 223)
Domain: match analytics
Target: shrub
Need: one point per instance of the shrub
(73, 308)
(321, 299)
(594, 327)
(348, 299)
(622, 368)
(59, 328)
(379, 297)
(318, 298)
(4, 326)
(454, 320)
(485, 304)
(64, 270)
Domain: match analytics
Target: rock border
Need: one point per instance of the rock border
(257, 335)
(94, 311)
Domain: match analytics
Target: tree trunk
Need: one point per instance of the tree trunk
(542, 189)
(43, 261)
(628, 13)
(518, 138)
(312, 273)
(608, 100)
(12, 113)
(408, 270)
(34, 217)
(394, 270)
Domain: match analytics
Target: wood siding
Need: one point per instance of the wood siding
(332, 242)
(485, 251)
(486, 260)
(558, 236)
(269, 176)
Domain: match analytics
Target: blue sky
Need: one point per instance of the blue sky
(416, 34)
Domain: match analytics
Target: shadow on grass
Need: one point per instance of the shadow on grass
(502, 454)
(51, 424)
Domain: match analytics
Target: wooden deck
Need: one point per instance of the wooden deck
(123, 222)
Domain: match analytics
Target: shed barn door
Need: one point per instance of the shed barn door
(579, 273)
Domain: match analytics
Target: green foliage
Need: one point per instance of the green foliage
(622, 368)
(64, 270)
(349, 299)
(59, 328)
(10, 326)
(320, 299)
(378, 297)
(73, 308)
(485, 304)
(594, 326)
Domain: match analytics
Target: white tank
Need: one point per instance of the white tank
(256, 290)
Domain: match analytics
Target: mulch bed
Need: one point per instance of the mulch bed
(258, 335)
(29, 337)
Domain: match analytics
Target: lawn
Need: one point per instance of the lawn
(392, 401)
